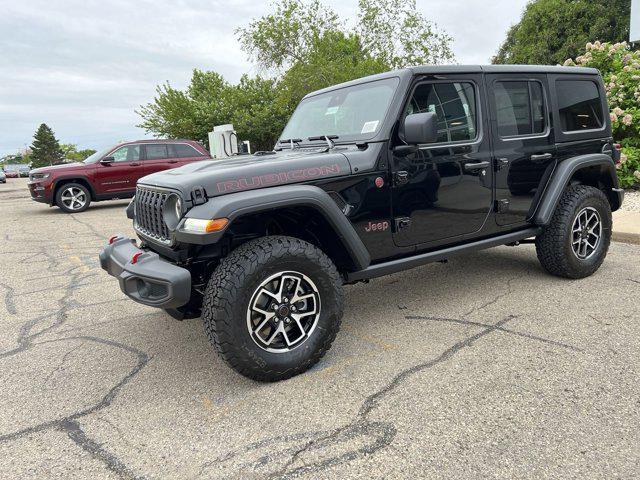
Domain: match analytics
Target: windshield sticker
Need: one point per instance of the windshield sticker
(331, 111)
(369, 127)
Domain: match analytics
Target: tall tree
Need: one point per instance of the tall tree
(45, 149)
(550, 31)
(301, 46)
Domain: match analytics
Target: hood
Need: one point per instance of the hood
(62, 166)
(249, 172)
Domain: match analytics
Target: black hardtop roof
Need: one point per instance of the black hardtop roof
(447, 69)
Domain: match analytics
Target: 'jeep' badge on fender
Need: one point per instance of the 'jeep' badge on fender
(376, 226)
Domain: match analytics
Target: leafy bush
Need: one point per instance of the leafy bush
(620, 69)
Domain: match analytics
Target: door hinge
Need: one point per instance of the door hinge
(401, 178)
(402, 223)
(502, 205)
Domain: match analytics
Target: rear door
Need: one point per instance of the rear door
(158, 157)
(523, 143)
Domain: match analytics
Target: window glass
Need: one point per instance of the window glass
(579, 105)
(537, 107)
(128, 153)
(519, 108)
(454, 105)
(354, 112)
(156, 152)
(183, 150)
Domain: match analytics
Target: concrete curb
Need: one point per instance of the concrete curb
(626, 227)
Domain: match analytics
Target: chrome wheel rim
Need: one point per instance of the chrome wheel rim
(73, 198)
(283, 312)
(586, 233)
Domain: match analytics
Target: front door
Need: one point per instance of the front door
(523, 142)
(444, 190)
(122, 174)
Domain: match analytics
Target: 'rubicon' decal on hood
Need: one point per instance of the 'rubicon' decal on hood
(270, 179)
(248, 172)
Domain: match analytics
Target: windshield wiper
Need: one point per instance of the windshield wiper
(291, 141)
(327, 138)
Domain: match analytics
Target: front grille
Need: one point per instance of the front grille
(149, 214)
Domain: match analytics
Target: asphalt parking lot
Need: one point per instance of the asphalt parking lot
(484, 367)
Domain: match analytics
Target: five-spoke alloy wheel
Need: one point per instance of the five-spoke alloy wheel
(73, 197)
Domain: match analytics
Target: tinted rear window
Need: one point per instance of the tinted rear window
(183, 150)
(579, 105)
(155, 152)
(520, 108)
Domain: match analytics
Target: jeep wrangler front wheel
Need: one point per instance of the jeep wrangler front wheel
(273, 307)
(575, 242)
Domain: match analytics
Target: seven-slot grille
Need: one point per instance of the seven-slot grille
(149, 219)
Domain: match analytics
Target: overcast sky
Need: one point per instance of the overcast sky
(84, 66)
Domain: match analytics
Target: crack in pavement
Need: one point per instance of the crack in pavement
(9, 303)
(70, 424)
(361, 426)
(501, 329)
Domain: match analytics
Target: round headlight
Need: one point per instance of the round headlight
(173, 211)
(177, 205)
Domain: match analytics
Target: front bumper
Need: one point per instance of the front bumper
(148, 279)
(40, 192)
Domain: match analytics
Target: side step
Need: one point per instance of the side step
(401, 264)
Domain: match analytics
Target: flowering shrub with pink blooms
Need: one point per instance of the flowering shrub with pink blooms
(620, 69)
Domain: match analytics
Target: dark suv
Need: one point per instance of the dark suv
(373, 177)
(109, 174)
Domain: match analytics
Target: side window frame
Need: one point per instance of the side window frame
(127, 147)
(146, 156)
(545, 104)
(599, 133)
(477, 91)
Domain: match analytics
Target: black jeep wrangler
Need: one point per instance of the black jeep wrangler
(369, 178)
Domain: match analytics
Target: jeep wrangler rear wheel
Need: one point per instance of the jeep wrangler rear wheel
(273, 307)
(575, 242)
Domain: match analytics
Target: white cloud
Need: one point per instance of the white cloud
(83, 67)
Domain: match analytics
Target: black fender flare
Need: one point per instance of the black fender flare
(561, 177)
(72, 178)
(235, 205)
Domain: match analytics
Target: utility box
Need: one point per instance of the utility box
(223, 141)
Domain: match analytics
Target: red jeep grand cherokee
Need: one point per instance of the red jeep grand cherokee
(109, 174)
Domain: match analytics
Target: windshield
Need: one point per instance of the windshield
(352, 113)
(97, 156)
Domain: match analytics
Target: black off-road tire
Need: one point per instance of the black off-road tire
(77, 187)
(553, 246)
(228, 297)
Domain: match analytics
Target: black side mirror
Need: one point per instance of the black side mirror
(420, 128)
(107, 160)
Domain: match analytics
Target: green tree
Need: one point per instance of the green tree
(45, 149)
(71, 152)
(620, 69)
(550, 31)
(301, 46)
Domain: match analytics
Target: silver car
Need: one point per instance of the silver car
(3, 177)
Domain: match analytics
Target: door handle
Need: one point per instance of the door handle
(476, 166)
(541, 157)
(134, 164)
(173, 161)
